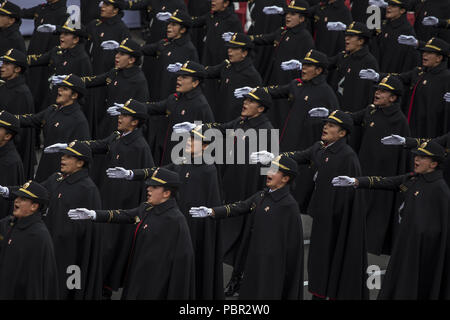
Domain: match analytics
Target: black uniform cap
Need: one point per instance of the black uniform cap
(297, 6)
(392, 84)
(130, 47)
(261, 95)
(358, 29)
(193, 69)
(430, 149)
(286, 165)
(342, 119)
(9, 121)
(16, 57)
(134, 108)
(78, 150)
(75, 83)
(240, 40)
(164, 178)
(34, 191)
(438, 46)
(11, 10)
(181, 17)
(65, 28)
(119, 4)
(316, 58)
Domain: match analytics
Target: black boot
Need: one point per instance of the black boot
(233, 285)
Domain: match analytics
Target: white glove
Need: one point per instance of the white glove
(4, 191)
(227, 36)
(163, 16)
(430, 21)
(407, 40)
(81, 214)
(174, 67)
(55, 148)
(119, 173)
(183, 127)
(273, 10)
(343, 181)
(263, 157)
(114, 110)
(447, 97)
(200, 212)
(369, 74)
(46, 28)
(1, 63)
(319, 112)
(100, 4)
(336, 26)
(109, 45)
(55, 80)
(239, 92)
(378, 3)
(291, 65)
(393, 140)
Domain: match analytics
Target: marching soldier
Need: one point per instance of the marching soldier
(176, 47)
(427, 112)
(63, 122)
(10, 22)
(11, 168)
(16, 98)
(27, 259)
(125, 81)
(417, 268)
(290, 42)
(274, 264)
(199, 185)
(75, 243)
(425, 8)
(392, 56)
(69, 57)
(161, 259)
(337, 255)
(299, 130)
(330, 43)
(124, 148)
(379, 119)
(235, 72)
(188, 104)
(53, 12)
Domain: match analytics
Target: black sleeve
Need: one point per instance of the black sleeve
(130, 216)
(386, 183)
(302, 157)
(32, 120)
(233, 210)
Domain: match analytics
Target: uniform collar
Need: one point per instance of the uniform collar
(116, 19)
(15, 82)
(69, 109)
(402, 20)
(388, 111)
(433, 176)
(241, 65)
(224, 14)
(75, 51)
(336, 4)
(181, 41)
(438, 69)
(129, 138)
(191, 94)
(77, 176)
(7, 148)
(279, 194)
(297, 28)
(254, 122)
(336, 146)
(129, 72)
(163, 207)
(55, 6)
(321, 78)
(15, 27)
(24, 223)
(361, 53)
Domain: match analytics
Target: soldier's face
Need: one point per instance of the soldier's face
(6, 21)
(108, 10)
(236, 54)
(68, 40)
(293, 19)
(175, 30)
(65, 96)
(424, 165)
(123, 60)
(70, 164)
(383, 98)
(194, 147)
(24, 207)
(9, 71)
(251, 109)
(276, 179)
(331, 132)
(186, 84)
(5, 137)
(394, 12)
(310, 71)
(126, 123)
(353, 43)
(157, 195)
(219, 5)
(431, 59)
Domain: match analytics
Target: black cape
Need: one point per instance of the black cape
(161, 264)
(16, 98)
(75, 242)
(419, 264)
(10, 38)
(27, 260)
(274, 260)
(337, 260)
